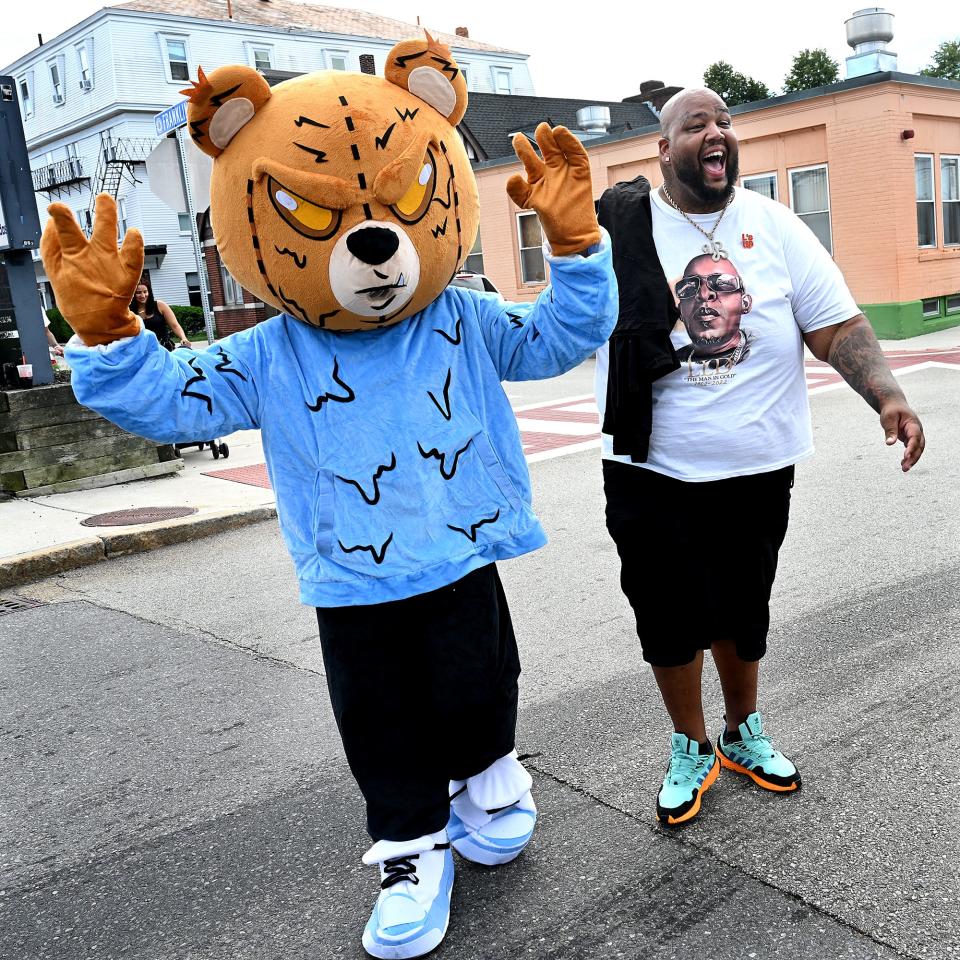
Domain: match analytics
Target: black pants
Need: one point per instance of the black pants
(424, 690)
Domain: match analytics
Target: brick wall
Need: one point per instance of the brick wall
(229, 319)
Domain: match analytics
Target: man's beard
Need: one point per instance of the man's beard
(691, 176)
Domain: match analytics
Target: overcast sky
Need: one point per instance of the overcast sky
(606, 53)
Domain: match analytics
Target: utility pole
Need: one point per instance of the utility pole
(20, 235)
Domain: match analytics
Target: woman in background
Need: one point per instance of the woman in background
(157, 317)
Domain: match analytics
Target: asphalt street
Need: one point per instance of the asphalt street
(174, 786)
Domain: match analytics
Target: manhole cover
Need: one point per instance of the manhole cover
(126, 518)
(13, 603)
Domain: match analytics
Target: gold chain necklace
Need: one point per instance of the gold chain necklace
(713, 247)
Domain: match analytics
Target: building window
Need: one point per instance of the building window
(178, 67)
(56, 80)
(930, 308)
(950, 195)
(532, 267)
(121, 219)
(73, 161)
(810, 201)
(193, 289)
(183, 220)
(926, 211)
(762, 183)
(25, 83)
(261, 59)
(232, 291)
(953, 303)
(336, 59)
(83, 218)
(83, 63)
(474, 261)
(465, 72)
(502, 82)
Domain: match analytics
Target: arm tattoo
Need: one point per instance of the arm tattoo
(857, 357)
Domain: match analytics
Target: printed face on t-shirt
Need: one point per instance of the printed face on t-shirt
(712, 299)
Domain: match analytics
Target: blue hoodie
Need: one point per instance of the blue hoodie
(394, 454)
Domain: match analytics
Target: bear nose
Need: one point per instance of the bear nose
(373, 245)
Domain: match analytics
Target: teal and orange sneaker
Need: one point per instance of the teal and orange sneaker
(693, 769)
(750, 751)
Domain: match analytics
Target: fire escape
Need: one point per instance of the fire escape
(60, 178)
(119, 157)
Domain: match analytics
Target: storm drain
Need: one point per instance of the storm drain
(126, 518)
(14, 603)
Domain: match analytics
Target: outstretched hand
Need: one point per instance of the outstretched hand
(899, 422)
(558, 187)
(93, 281)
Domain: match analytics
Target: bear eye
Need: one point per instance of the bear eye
(412, 206)
(309, 219)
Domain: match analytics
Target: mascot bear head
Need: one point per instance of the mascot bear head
(344, 200)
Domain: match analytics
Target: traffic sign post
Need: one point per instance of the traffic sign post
(173, 120)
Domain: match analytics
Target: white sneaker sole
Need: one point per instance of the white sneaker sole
(414, 948)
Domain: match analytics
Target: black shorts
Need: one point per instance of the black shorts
(697, 560)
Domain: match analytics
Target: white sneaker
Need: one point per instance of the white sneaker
(411, 914)
(492, 815)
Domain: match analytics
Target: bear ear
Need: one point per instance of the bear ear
(221, 104)
(427, 69)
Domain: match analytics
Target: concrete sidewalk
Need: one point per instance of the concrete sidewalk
(42, 536)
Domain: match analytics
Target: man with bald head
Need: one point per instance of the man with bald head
(698, 514)
(712, 300)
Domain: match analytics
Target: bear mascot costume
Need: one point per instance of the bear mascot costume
(347, 202)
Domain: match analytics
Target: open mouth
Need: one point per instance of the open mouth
(715, 163)
(706, 316)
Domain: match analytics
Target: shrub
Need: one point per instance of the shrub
(58, 326)
(190, 318)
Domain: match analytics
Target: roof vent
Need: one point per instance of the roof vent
(595, 120)
(462, 32)
(869, 31)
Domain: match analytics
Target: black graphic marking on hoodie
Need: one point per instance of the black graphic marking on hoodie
(456, 339)
(474, 527)
(336, 398)
(435, 454)
(377, 555)
(381, 470)
(200, 375)
(224, 365)
(445, 409)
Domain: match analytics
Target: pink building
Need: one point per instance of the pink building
(871, 164)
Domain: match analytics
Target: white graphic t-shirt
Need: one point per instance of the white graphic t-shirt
(738, 404)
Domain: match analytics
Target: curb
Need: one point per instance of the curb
(38, 564)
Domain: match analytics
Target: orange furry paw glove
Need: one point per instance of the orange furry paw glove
(558, 187)
(92, 279)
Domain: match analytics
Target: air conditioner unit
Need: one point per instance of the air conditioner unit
(58, 98)
(86, 84)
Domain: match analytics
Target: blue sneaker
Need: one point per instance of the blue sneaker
(492, 814)
(749, 751)
(689, 775)
(412, 912)
(491, 837)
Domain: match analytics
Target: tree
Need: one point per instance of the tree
(811, 68)
(946, 61)
(733, 87)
